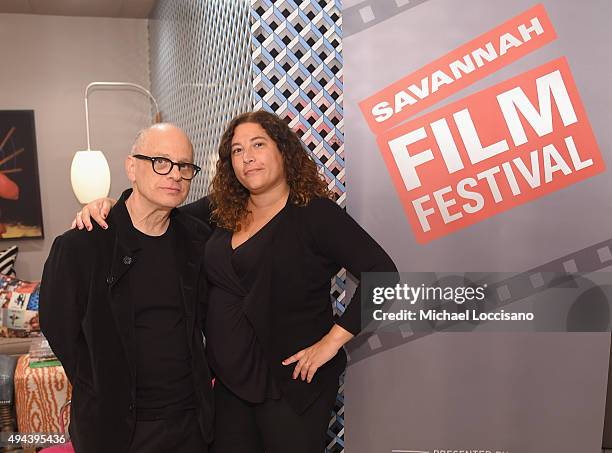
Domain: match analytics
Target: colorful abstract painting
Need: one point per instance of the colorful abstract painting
(20, 205)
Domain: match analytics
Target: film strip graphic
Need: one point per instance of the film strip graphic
(362, 15)
(516, 288)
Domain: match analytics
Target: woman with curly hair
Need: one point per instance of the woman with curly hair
(271, 337)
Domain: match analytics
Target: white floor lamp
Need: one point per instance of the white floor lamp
(89, 172)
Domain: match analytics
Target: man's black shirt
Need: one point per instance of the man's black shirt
(164, 376)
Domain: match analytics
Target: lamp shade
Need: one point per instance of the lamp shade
(90, 176)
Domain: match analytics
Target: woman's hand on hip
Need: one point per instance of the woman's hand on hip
(310, 359)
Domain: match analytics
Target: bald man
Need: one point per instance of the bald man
(122, 308)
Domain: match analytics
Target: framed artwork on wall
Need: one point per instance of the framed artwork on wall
(20, 205)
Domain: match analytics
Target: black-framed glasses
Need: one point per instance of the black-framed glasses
(163, 166)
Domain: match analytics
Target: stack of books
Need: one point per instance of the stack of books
(41, 354)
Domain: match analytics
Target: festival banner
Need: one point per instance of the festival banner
(478, 141)
(507, 145)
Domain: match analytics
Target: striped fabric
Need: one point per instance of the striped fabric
(7, 260)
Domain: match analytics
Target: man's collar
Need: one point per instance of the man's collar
(124, 212)
(121, 220)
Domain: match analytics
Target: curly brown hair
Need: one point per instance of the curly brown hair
(229, 198)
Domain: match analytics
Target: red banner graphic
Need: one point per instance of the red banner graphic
(494, 150)
(458, 69)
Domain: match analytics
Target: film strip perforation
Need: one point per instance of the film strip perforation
(366, 14)
(516, 288)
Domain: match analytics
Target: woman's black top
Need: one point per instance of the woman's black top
(288, 306)
(234, 353)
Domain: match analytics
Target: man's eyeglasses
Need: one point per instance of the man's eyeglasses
(163, 166)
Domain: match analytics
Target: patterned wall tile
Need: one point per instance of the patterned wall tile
(297, 68)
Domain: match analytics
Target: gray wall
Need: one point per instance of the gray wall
(47, 61)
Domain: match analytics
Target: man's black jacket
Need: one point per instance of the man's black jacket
(88, 319)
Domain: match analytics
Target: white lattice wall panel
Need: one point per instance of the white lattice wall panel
(201, 71)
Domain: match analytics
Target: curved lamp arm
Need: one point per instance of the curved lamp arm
(116, 84)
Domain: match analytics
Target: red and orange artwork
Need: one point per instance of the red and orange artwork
(20, 206)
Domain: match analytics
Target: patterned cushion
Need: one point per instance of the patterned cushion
(7, 260)
(18, 307)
